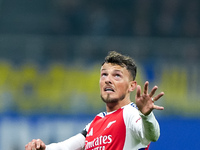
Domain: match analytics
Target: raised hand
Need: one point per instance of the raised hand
(35, 145)
(145, 101)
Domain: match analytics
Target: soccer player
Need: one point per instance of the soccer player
(124, 125)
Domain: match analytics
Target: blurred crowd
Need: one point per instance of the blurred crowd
(78, 34)
(169, 18)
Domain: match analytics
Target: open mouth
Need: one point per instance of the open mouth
(109, 89)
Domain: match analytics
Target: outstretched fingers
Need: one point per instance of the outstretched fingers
(138, 93)
(153, 91)
(156, 98)
(146, 87)
(145, 100)
(158, 107)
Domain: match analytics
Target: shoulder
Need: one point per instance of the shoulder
(131, 109)
(98, 116)
(132, 105)
(131, 114)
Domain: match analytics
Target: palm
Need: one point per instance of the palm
(144, 101)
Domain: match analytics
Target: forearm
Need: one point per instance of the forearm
(76, 142)
(151, 127)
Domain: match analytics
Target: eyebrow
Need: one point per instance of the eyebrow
(114, 70)
(118, 71)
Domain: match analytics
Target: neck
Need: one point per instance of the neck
(116, 105)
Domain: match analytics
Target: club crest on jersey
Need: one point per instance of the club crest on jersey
(109, 124)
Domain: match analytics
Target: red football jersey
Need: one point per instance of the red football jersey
(119, 130)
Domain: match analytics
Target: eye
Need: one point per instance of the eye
(104, 74)
(117, 75)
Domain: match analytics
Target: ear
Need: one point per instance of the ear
(133, 85)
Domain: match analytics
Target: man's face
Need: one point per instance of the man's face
(115, 82)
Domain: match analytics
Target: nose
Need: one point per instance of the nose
(108, 80)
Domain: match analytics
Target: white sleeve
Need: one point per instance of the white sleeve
(76, 142)
(151, 127)
(144, 128)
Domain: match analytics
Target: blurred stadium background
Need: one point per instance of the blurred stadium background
(51, 52)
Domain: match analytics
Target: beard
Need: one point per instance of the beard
(108, 99)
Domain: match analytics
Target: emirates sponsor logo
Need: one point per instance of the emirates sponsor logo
(99, 143)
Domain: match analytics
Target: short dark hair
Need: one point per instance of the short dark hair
(114, 57)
